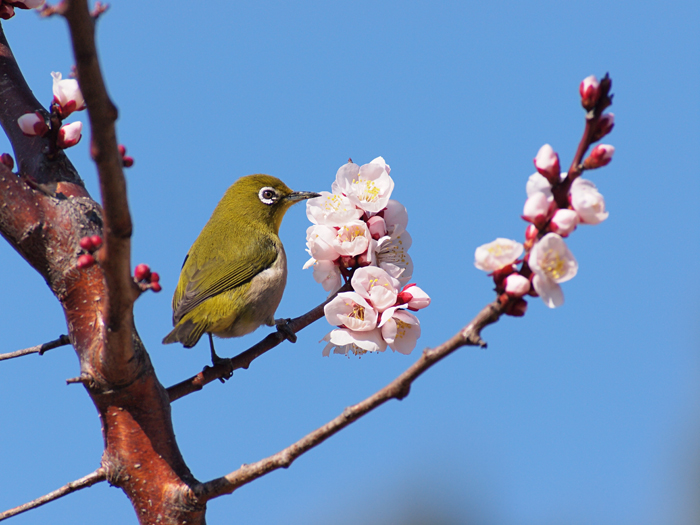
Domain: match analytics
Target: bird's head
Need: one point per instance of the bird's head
(264, 199)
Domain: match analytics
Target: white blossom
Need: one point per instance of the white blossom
(497, 254)
(588, 202)
(369, 187)
(552, 263)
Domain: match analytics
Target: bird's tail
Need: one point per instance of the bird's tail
(186, 332)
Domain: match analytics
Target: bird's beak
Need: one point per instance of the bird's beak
(301, 196)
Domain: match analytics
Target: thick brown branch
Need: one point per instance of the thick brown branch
(73, 486)
(38, 349)
(115, 255)
(397, 389)
(243, 360)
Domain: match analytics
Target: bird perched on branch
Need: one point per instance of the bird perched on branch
(234, 274)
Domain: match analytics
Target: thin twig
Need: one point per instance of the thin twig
(39, 349)
(243, 360)
(73, 486)
(397, 389)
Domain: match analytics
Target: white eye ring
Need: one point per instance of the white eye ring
(267, 195)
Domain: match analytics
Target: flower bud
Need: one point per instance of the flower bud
(33, 124)
(605, 125)
(67, 94)
(7, 160)
(6, 11)
(564, 222)
(122, 149)
(142, 272)
(600, 156)
(377, 227)
(87, 244)
(588, 202)
(547, 163)
(69, 135)
(590, 92)
(516, 285)
(127, 162)
(155, 277)
(415, 298)
(156, 287)
(517, 309)
(531, 232)
(536, 209)
(96, 241)
(85, 261)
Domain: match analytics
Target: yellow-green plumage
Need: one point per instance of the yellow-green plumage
(234, 274)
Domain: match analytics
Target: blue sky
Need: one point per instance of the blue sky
(587, 414)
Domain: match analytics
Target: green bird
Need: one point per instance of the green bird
(234, 274)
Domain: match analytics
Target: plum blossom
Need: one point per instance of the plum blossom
(400, 330)
(600, 156)
(497, 254)
(326, 273)
(413, 297)
(376, 286)
(368, 187)
(352, 311)
(552, 263)
(391, 255)
(395, 217)
(320, 243)
(331, 209)
(344, 341)
(536, 208)
(352, 238)
(67, 94)
(588, 203)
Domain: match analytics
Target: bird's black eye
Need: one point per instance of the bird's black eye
(267, 195)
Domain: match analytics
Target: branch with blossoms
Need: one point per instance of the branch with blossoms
(359, 234)
(557, 202)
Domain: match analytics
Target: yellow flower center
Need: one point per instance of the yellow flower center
(553, 265)
(367, 190)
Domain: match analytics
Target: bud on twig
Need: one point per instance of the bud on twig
(600, 156)
(7, 160)
(589, 90)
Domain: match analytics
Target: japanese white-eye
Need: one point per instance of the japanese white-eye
(234, 274)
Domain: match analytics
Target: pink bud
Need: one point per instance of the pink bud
(122, 149)
(590, 91)
(142, 272)
(531, 232)
(517, 309)
(547, 163)
(536, 208)
(516, 285)
(377, 227)
(127, 162)
(600, 156)
(7, 160)
(67, 94)
(156, 287)
(155, 277)
(414, 297)
(69, 135)
(564, 222)
(33, 124)
(85, 261)
(605, 126)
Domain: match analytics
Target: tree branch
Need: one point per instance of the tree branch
(84, 482)
(397, 389)
(243, 360)
(38, 349)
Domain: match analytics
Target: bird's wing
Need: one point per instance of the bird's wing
(216, 275)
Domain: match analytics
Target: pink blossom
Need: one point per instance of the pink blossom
(497, 254)
(343, 341)
(33, 124)
(588, 203)
(326, 273)
(547, 163)
(564, 222)
(401, 330)
(320, 243)
(331, 209)
(70, 134)
(536, 209)
(376, 286)
(352, 311)
(368, 187)
(391, 254)
(395, 217)
(352, 238)
(377, 227)
(552, 263)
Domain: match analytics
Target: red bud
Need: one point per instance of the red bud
(142, 272)
(127, 162)
(156, 287)
(96, 241)
(155, 277)
(122, 149)
(7, 160)
(87, 244)
(85, 261)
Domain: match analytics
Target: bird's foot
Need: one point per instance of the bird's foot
(224, 363)
(286, 330)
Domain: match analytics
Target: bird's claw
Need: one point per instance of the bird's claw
(286, 330)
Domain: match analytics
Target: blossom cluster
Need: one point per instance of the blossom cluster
(359, 233)
(67, 98)
(7, 7)
(548, 261)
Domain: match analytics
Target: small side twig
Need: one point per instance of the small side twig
(84, 482)
(63, 340)
(397, 389)
(243, 360)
